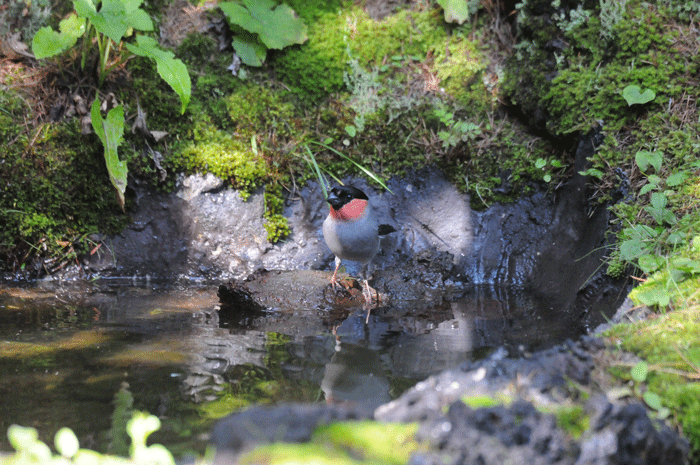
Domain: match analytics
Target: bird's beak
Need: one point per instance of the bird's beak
(333, 200)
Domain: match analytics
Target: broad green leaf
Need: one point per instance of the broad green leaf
(140, 427)
(250, 51)
(653, 400)
(172, 70)
(650, 263)
(631, 249)
(540, 163)
(110, 132)
(241, 16)
(22, 437)
(634, 95)
(277, 27)
(645, 158)
(110, 20)
(351, 130)
(646, 188)
(639, 372)
(284, 28)
(676, 179)
(659, 200)
(66, 442)
(47, 42)
(652, 295)
(456, 11)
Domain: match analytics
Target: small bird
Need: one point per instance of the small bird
(351, 231)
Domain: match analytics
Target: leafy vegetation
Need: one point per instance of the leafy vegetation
(29, 449)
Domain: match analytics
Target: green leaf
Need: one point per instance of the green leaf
(676, 179)
(650, 263)
(547, 177)
(22, 437)
(66, 442)
(247, 47)
(172, 70)
(540, 163)
(653, 295)
(653, 400)
(634, 95)
(351, 130)
(456, 11)
(596, 173)
(639, 372)
(659, 200)
(285, 28)
(632, 249)
(47, 42)
(645, 158)
(110, 132)
(140, 427)
(277, 27)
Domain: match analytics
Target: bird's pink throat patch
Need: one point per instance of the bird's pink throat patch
(350, 211)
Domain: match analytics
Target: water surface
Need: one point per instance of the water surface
(66, 353)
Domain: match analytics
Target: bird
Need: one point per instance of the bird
(352, 232)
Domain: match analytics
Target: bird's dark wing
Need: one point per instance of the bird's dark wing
(385, 229)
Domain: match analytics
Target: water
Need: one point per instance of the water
(65, 354)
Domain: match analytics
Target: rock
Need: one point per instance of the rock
(241, 431)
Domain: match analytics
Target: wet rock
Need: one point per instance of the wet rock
(541, 376)
(518, 433)
(624, 433)
(282, 423)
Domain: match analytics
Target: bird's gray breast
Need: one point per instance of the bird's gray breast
(356, 240)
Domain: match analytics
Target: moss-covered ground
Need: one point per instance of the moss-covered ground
(499, 102)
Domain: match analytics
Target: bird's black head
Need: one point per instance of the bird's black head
(341, 195)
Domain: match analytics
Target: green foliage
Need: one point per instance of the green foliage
(106, 27)
(459, 11)
(172, 70)
(229, 158)
(611, 13)
(24, 18)
(29, 449)
(49, 200)
(634, 95)
(110, 131)
(265, 25)
(457, 131)
(276, 224)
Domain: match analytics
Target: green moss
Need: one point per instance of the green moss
(372, 441)
(316, 69)
(54, 189)
(227, 157)
(484, 401)
(668, 343)
(276, 224)
(571, 418)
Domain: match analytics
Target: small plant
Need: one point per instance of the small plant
(457, 131)
(106, 27)
(29, 449)
(459, 11)
(261, 24)
(541, 164)
(633, 95)
(611, 13)
(111, 132)
(639, 375)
